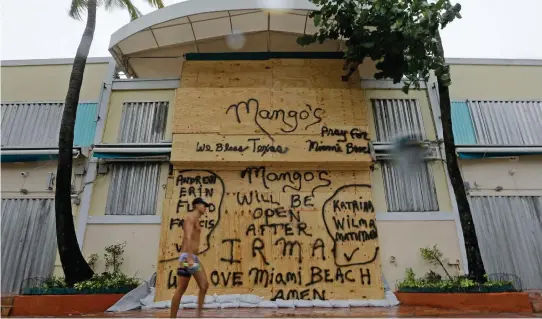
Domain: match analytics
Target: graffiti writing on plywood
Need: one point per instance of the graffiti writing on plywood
(343, 135)
(279, 242)
(345, 142)
(291, 180)
(253, 145)
(290, 120)
(199, 183)
(350, 222)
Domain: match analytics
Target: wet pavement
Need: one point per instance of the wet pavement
(393, 312)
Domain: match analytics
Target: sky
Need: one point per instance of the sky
(41, 29)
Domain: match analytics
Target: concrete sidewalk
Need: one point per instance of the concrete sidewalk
(393, 312)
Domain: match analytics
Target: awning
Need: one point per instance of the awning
(492, 151)
(132, 151)
(13, 155)
(155, 43)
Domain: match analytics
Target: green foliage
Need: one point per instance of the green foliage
(410, 275)
(54, 282)
(97, 282)
(491, 283)
(78, 7)
(431, 283)
(432, 276)
(107, 280)
(114, 256)
(402, 35)
(434, 257)
(92, 260)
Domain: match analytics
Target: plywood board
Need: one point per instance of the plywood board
(280, 149)
(264, 111)
(278, 233)
(214, 149)
(319, 73)
(290, 120)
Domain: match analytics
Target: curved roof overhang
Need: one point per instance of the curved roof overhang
(155, 43)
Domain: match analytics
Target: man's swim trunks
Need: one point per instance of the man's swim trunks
(188, 271)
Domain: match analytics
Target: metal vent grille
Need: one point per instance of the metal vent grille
(412, 191)
(133, 189)
(509, 229)
(28, 241)
(507, 122)
(38, 124)
(395, 118)
(143, 122)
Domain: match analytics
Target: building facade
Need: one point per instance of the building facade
(497, 121)
(297, 163)
(33, 94)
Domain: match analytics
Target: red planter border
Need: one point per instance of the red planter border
(512, 302)
(62, 305)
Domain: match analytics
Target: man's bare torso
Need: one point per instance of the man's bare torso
(193, 242)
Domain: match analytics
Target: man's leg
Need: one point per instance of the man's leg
(203, 284)
(182, 284)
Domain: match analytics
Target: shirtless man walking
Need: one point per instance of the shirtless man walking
(189, 263)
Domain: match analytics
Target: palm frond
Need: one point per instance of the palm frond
(109, 4)
(77, 8)
(156, 3)
(133, 11)
(114, 4)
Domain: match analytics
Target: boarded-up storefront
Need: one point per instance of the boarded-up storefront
(281, 150)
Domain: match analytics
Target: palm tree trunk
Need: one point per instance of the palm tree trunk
(74, 264)
(474, 258)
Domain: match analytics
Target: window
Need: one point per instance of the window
(395, 118)
(412, 191)
(143, 122)
(133, 189)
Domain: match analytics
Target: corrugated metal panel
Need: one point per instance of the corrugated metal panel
(31, 124)
(396, 118)
(133, 189)
(507, 122)
(409, 191)
(37, 124)
(143, 122)
(28, 241)
(462, 124)
(509, 229)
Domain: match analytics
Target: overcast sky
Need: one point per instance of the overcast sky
(38, 29)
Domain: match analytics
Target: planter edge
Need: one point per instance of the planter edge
(490, 302)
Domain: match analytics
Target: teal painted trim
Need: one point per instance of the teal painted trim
(124, 155)
(85, 124)
(492, 155)
(462, 124)
(74, 291)
(27, 158)
(262, 56)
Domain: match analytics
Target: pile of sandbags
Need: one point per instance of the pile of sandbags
(253, 301)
